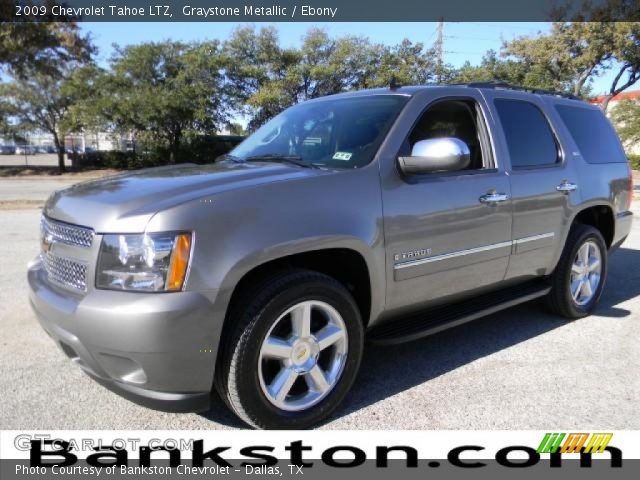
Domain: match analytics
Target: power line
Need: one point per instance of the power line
(464, 53)
(435, 30)
(466, 37)
(503, 26)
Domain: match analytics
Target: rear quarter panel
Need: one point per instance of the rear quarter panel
(600, 183)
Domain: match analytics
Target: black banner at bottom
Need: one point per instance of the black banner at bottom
(567, 468)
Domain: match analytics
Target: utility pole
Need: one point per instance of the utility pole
(439, 50)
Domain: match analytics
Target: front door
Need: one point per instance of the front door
(447, 234)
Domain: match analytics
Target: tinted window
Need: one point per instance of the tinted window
(594, 136)
(529, 138)
(337, 133)
(452, 118)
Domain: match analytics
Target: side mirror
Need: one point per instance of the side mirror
(436, 155)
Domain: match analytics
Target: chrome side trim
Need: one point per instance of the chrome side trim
(446, 256)
(533, 238)
(461, 253)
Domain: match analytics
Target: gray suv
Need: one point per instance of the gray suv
(385, 214)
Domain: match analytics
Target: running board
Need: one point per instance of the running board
(428, 322)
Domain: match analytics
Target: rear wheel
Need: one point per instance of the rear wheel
(579, 277)
(294, 351)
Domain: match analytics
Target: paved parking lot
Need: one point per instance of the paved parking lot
(519, 369)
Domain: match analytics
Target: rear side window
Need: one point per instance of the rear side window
(530, 141)
(593, 134)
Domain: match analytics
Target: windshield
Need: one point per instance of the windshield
(340, 133)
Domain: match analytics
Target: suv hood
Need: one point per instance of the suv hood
(125, 203)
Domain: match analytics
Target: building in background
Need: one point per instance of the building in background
(74, 142)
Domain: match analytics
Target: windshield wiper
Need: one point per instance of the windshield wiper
(228, 156)
(290, 159)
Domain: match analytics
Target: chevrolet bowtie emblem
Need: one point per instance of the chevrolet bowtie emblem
(47, 242)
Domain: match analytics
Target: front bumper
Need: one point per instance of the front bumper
(157, 350)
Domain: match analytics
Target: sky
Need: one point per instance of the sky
(462, 41)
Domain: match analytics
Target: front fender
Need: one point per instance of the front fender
(238, 230)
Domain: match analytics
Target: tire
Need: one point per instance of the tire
(561, 299)
(246, 377)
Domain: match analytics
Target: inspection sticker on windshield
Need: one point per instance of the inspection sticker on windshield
(342, 156)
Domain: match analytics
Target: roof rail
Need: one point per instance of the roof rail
(495, 84)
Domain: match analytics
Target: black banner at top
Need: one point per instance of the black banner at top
(318, 10)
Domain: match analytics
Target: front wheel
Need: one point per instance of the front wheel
(294, 351)
(579, 277)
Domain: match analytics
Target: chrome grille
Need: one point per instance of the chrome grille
(66, 233)
(64, 271)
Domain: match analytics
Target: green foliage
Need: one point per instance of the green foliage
(200, 149)
(493, 68)
(626, 117)
(165, 90)
(265, 78)
(634, 161)
(168, 98)
(573, 53)
(44, 45)
(44, 102)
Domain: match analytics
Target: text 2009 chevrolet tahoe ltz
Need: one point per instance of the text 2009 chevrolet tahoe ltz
(385, 214)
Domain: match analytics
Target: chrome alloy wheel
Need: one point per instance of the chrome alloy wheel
(303, 355)
(585, 273)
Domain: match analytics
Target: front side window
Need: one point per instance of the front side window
(459, 119)
(339, 133)
(530, 141)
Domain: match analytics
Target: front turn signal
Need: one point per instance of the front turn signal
(179, 262)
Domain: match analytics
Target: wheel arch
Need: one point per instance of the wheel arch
(346, 265)
(346, 261)
(599, 216)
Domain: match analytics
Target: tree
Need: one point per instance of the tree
(574, 53)
(627, 53)
(409, 63)
(236, 128)
(494, 68)
(565, 59)
(626, 117)
(168, 90)
(259, 73)
(266, 78)
(40, 44)
(42, 102)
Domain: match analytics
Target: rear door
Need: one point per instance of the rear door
(544, 182)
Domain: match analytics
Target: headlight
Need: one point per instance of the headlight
(155, 262)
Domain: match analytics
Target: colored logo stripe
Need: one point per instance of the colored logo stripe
(598, 442)
(551, 442)
(574, 442)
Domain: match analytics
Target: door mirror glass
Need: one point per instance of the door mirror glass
(436, 155)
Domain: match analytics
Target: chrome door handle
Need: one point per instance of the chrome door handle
(493, 198)
(566, 187)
